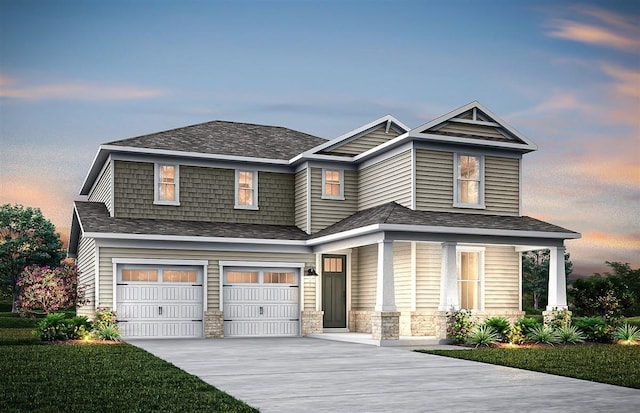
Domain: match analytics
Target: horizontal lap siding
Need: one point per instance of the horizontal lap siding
(213, 270)
(386, 181)
(309, 292)
(501, 278)
(86, 279)
(325, 212)
(502, 185)
(402, 274)
(366, 142)
(428, 258)
(102, 190)
(301, 200)
(363, 295)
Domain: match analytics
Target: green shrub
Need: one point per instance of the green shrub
(78, 327)
(107, 332)
(570, 334)
(597, 328)
(558, 319)
(515, 335)
(482, 335)
(527, 324)
(543, 335)
(627, 334)
(105, 325)
(53, 327)
(500, 325)
(461, 326)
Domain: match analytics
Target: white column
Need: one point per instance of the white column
(385, 293)
(557, 280)
(449, 278)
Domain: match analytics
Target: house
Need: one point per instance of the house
(227, 229)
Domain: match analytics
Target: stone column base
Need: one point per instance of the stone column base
(442, 320)
(213, 324)
(312, 322)
(360, 321)
(549, 318)
(385, 325)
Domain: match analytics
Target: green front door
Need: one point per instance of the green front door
(334, 291)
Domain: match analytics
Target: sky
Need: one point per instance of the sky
(75, 74)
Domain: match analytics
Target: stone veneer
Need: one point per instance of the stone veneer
(385, 325)
(436, 323)
(213, 324)
(312, 322)
(360, 321)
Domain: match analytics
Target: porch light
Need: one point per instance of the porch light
(312, 272)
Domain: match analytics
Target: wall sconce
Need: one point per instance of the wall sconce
(311, 272)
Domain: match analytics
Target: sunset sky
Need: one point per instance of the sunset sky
(74, 74)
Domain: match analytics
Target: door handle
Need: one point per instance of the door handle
(261, 310)
(159, 310)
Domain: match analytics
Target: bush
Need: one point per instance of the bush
(78, 327)
(527, 324)
(483, 335)
(461, 326)
(515, 335)
(558, 319)
(627, 334)
(53, 327)
(598, 328)
(570, 334)
(543, 335)
(500, 325)
(105, 325)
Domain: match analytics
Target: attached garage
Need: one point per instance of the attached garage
(261, 301)
(159, 301)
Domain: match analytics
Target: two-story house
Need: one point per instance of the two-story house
(232, 229)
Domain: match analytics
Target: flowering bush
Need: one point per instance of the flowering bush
(105, 326)
(46, 289)
(461, 326)
(559, 318)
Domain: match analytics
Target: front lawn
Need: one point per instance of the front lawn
(102, 378)
(613, 364)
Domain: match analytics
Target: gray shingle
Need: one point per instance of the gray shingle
(229, 138)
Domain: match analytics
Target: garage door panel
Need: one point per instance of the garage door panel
(138, 292)
(280, 294)
(181, 329)
(240, 311)
(241, 293)
(280, 311)
(139, 329)
(182, 310)
(135, 310)
(278, 328)
(181, 293)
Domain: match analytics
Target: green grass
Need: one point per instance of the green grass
(102, 378)
(613, 364)
(11, 336)
(633, 321)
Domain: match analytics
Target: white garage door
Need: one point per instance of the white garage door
(261, 302)
(159, 302)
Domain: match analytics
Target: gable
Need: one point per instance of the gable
(363, 142)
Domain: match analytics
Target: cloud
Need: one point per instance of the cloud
(10, 88)
(604, 29)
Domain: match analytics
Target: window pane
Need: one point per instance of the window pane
(278, 277)
(469, 193)
(245, 179)
(332, 183)
(331, 189)
(245, 197)
(166, 183)
(167, 174)
(242, 277)
(469, 280)
(176, 276)
(332, 264)
(469, 167)
(140, 275)
(245, 188)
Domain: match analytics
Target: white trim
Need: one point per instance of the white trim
(194, 238)
(96, 275)
(340, 196)
(319, 282)
(176, 184)
(414, 179)
(114, 281)
(475, 122)
(481, 270)
(520, 188)
(254, 184)
(112, 187)
(308, 200)
(520, 281)
(414, 275)
(154, 261)
(481, 184)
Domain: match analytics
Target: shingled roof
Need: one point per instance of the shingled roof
(229, 138)
(95, 218)
(393, 213)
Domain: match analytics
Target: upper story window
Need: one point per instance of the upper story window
(332, 184)
(246, 189)
(469, 181)
(167, 184)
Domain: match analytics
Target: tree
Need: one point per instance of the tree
(26, 238)
(49, 289)
(535, 273)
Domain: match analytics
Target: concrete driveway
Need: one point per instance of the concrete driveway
(313, 375)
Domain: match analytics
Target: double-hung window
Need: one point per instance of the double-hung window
(167, 184)
(246, 189)
(332, 184)
(470, 274)
(469, 181)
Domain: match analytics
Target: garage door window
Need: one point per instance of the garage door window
(140, 275)
(279, 278)
(177, 276)
(242, 277)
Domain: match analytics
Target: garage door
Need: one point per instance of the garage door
(159, 302)
(264, 302)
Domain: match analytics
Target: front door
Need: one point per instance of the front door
(334, 291)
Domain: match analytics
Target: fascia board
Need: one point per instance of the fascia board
(398, 140)
(190, 238)
(94, 171)
(479, 231)
(507, 126)
(469, 141)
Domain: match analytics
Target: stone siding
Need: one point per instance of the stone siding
(312, 322)
(360, 321)
(213, 324)
(385, 325)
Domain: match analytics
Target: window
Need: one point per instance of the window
(332, 264)
(178, 276)
(242, 277)
(332, 184)
(279, 277)
(140, 275)
(247, 189)
(167, 184)
(469, 279)
(469, 188)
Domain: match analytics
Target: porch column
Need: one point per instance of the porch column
(449, 278)
(385, 293)
(557, 280)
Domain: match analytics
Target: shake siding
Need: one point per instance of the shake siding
(301, 200)
(213, 269)
(402, 275)
(366, 142)
(386, 181)
(102, 190)
(434, 184)
(501, 278)
(474, 130)
(206, 194)
(86, 279)
(325, 212)
(428, 257)
(363, 295)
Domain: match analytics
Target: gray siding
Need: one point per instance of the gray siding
(325, 212)
(386, 181)
(86, 279)
(366, 142)
(206, 194)
(301, 200)
(363, 280)
(428, 257)
(213, 269)
(501, 278)
(102, 191)
(434, 184)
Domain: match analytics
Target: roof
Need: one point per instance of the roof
(393, 213)
(229, 138)
(94, 218)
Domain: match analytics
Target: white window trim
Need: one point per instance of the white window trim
(456, 203)
(481, 251)
(254, 181)
(339, 197)
(156, 182)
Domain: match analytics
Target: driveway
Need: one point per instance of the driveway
(312, 375)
